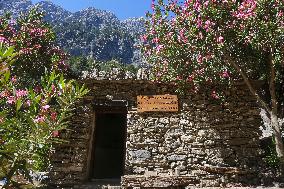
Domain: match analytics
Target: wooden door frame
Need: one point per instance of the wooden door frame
(91, 149)
(91, 145)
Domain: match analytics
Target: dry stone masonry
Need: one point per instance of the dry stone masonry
(206, 143)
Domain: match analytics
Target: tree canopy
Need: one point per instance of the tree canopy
(196, 42)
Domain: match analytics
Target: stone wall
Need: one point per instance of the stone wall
(69, 158)
(215, 142)
(205, 139)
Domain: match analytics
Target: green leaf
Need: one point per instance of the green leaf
(9, 52)
(18, 104)
(7, 76)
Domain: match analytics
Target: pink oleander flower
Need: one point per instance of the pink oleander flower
(4, 94)
(199, 23)
(207, 24)
(21, 93)
(143, 38)
(53, 116)
(37, 46)
(53, 88)
(55, 133)
(153, 4)
(197, 6)
(206, 3)
(38, 32)
(25, 51)
(200, 35)
(159, 48)
(179, 78)
(170, 34)
(3, 39)
(199, 58)
(155, 40)
(225, 74)
(214, 95)
(28, 103)
(246, 9)
(39, 119)
(45, 108)
(148, 53)
(37, 89)
(11, 100)
(190, 78)
(220, 39)
(181, 33)
(208, 56)
(14, 79)
(187, 3)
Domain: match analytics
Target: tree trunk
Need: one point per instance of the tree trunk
(273, 109)
(278, 142)
(274, 112)
(277, 136)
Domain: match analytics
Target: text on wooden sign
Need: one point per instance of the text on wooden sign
(157, 103)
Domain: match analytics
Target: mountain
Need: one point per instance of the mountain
(89, 32)
(96, 33)
(14, 6)
(54, 14)
(134, 26)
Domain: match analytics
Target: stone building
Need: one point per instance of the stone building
(206, 142)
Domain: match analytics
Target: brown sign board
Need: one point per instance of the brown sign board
(157, 103)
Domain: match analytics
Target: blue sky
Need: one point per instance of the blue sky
(123, 9)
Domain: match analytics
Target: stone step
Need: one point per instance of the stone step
(111, 187)
(97, 186)
(101, 184)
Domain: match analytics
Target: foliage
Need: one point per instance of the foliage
(271, 157)
(31, 114)
(31, 118)
(35, 42)
(110, 65)
(190, 42)
(79, 64)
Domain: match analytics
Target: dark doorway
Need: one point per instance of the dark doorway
(109, 145)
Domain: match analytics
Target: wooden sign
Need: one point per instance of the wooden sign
(157, 103)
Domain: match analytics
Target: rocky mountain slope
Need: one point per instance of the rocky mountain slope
(89, 32)
(14, 6)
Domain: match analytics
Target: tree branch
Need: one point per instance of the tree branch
(272, 88)
(231, 62)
